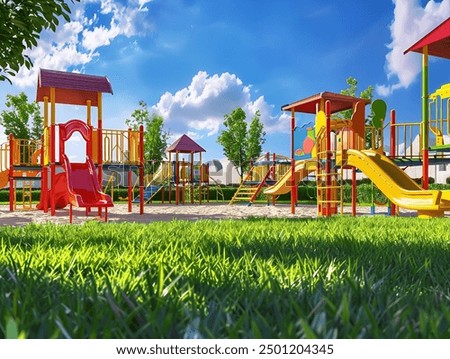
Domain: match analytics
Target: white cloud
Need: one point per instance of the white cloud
(142, 4)
(100, 36)
(199, 108)
(411, 22)
(75, 44)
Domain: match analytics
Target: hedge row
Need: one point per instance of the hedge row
(305, 193)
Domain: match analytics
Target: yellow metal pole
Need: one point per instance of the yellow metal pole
(45, 111)
(88, 112)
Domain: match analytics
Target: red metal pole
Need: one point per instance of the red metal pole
(425, 169)
(130, 191)
(392, 135)
(141, 169)
(328, 157)
(52, 170)
(274, 176)
(293, 187)
(177, 178)
(425, 118)
(393, 153)
(354, 191)
(11, 173)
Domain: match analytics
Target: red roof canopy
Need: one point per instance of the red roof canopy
(185, 145)
(339, 102)
(438, 41)
(71, 88)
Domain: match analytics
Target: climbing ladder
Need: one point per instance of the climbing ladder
(249, 190)
(329, 179)
(149, 193)
(27, 188)
(218, 188)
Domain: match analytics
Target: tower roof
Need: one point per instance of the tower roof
(185, 145)
(437, 40)
(71, 88)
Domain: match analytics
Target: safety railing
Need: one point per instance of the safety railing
(439, 114)
(408, 139)
(4, 156)
(119, 146)
(26, 152)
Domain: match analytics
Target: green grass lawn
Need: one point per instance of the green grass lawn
(371, 277)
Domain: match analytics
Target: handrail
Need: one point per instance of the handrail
(110, 182)
(247, 176)
(4, 156)
(261, 184)
(218, 189)
(409, 132)
(116, 145)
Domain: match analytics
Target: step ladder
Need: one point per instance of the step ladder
(249, 193)
(244, 194)
(27, 188)
(149, 193)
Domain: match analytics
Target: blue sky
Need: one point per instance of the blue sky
(192, 61)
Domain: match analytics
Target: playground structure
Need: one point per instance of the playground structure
(341, 144)
(64, 182)
(183, 174)
(265, 171)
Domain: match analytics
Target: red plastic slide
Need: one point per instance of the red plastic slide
(82, 185)
(61, 194)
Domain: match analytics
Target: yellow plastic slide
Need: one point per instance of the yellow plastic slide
(302, 169)
(397, 185)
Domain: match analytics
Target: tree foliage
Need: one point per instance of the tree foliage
(365, 94)
(22, 118)
(242, 143)
(21, 22)
(155, 138)
(351, 91)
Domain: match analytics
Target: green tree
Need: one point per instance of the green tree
(241, 144)
(21, 22)
(22, 118)
(366, 94)
(155, 138)
(351, 91)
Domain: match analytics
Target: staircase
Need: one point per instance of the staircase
(248, 192)
(149, 192)
(244, 194)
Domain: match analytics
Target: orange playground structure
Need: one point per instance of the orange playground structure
(182, 173)
(351, 144)
(64, 182)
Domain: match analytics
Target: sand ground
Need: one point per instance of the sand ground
(167, 212)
